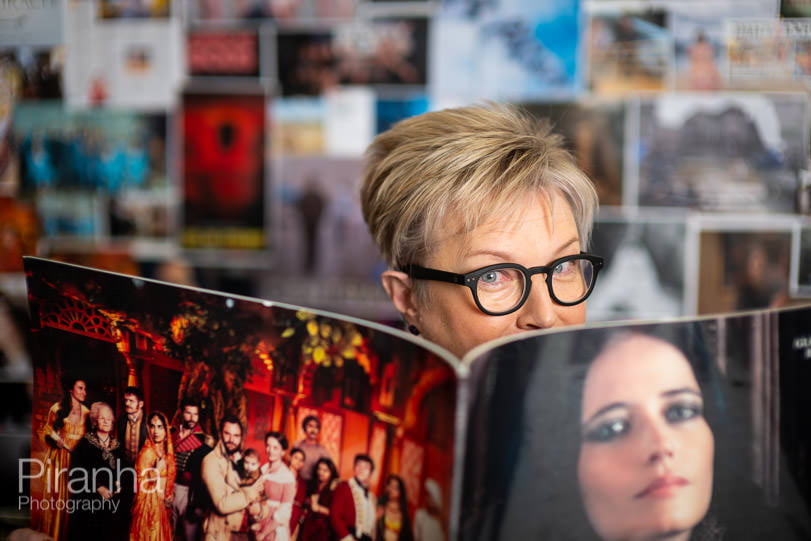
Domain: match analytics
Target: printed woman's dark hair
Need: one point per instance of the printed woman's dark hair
(66, 403)
(313, 483)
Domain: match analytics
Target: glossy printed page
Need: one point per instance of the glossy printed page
(621, 431)
(332, 387)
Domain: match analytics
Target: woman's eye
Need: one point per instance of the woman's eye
(564, 268)
(494, 277)
(490, 277)
(607, 431)
(676, 413)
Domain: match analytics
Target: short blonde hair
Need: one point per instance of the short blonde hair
(472, 162)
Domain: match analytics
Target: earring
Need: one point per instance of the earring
(413, 330)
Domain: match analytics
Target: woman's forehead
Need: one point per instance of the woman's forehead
(467, 233)
(634, 368)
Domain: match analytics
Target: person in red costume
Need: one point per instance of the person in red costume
(352, 515)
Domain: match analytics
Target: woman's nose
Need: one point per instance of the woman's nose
(660, 445)
(539, 311)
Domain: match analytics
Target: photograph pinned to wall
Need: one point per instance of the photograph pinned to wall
(801, 262)
(795, 8)
(723, 151)
(36, 71)
(135, 64)
(698, 41)
(116, 158)
(383, 51)
(650, 251)
(305, 61)
(629, 47)
(220, 52)
(297, 126)
(768, 53)
(20, 230)
(68, 213)
(10, 82)
(223, 171)
(36, 24)
(594, 130)
(230, 11)
(514, 53)
(134, 9)
(391, 108)
(742, 263)
(324, 256)
(349, 120)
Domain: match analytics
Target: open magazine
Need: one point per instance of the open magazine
(616, 430)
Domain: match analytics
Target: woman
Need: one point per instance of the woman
(480, 197)
(393, 523)
(297, 458)
(98, 454)
(279, 485)
(155, 477)
(64, 427)
(645, 466)
(322, 482)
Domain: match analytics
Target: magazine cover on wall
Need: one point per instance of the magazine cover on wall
(632, 432)
(96, 173)
(332, 388)
(699, 39)
(222, 52)
(380, 51)
(594, 130)
(723, 151)
(224, 171)
(795, 8)
(297, 126)
(132, 63)
(743, 263)
(36, 71)
(139, 9)
(769, 53)
(324, 255)
(629, 47)
(32, 23)
(228, 11)
(506, 51)
(651, 249)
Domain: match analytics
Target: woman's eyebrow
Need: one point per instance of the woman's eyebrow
(681, 390)
(605, 409)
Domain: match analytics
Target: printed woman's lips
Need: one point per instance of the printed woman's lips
(663, 487)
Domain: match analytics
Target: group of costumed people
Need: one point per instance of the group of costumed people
(85, 438)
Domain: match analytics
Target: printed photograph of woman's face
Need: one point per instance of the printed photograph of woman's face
(645, 466)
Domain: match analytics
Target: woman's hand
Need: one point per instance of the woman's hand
(104, 492)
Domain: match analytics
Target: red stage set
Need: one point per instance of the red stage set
(271, 367)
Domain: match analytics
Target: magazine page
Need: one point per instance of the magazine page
(213, 364)
(640, 431)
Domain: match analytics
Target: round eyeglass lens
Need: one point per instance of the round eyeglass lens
(500, 290)
(572, 279)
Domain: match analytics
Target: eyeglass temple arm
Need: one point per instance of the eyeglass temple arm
(422, 273)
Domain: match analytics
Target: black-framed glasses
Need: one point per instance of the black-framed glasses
(503, 288)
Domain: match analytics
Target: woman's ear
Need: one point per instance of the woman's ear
(398, 285)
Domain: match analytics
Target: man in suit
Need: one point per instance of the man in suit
(132, 426)
(131, 430)
(352, 514)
